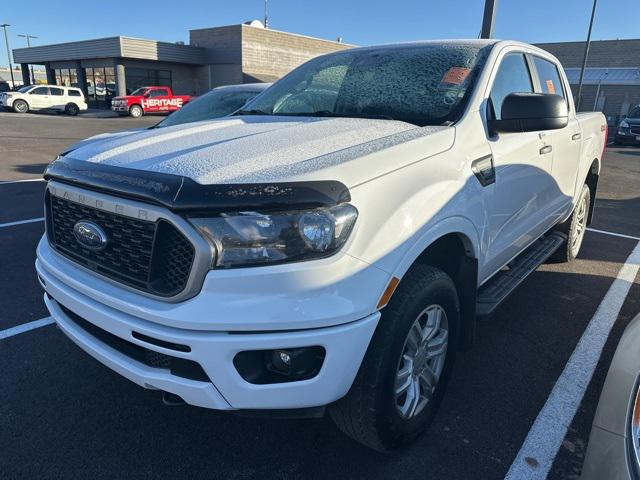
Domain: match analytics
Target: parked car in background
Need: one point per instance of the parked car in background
(331, 244)
(219, 102)
(149, 100)
(613, 451)
(69, 100)
(628, 132)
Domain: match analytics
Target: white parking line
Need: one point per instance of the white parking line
(21, 222)
(25, 327)
(23, 180)
(621, 235)
(543, 441)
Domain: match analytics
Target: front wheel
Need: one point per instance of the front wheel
(20, 106)
(136, 111)
(403, 376)
(575, 227)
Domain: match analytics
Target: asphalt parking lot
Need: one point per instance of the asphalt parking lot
(63, 415)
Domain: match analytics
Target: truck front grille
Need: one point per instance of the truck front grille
(154, 257)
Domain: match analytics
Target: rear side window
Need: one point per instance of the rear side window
(513, 77)
(74, 93)
(56, 91)
(549, 76)
(158, 93)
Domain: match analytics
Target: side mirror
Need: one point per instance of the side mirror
(529, 112)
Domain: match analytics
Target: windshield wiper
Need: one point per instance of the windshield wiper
(253, 111)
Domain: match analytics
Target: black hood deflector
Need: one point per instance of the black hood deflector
(182, 194)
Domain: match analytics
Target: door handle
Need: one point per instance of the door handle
(576, 136)
(546, 149)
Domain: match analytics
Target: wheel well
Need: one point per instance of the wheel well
(453, 254)
(592, 183)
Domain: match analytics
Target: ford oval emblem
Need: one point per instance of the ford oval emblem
(90, 235)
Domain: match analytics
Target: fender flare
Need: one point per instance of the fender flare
(451, 225)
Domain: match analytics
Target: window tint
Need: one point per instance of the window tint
(549, 76)
(56, 91)
(40, 91)
(512, 77)
(75, 93)
(158, 93)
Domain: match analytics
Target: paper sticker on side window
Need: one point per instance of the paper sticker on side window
(455, 75)
(551, 88)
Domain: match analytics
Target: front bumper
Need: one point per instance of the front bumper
(626, 137)
(212, 348)
(119, 108)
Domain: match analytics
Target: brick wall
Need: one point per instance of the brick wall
(269, 54)
(245, 54)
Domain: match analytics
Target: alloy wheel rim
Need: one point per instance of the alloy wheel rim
(581, 226)
(21, 107)
(422, 361)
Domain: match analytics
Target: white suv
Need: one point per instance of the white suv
(70, 100)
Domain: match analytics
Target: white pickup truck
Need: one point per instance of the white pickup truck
(330, 246)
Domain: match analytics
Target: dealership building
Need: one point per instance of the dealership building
(108, 67)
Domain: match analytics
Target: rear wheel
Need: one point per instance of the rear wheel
(403, 376)
(136, 111)
(20, 106)
(71, 109)
(575, 227)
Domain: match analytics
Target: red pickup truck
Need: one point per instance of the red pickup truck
(148, 100)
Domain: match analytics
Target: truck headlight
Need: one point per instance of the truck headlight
(624, 124)
(253, 238)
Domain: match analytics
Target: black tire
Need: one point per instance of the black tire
(369, 413)
(136, 111)
(71, 109)
(574, 227)
(20, 106)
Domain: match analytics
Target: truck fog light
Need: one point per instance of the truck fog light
(285, 358)
(279, 365)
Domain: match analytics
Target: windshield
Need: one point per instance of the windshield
(217, 103)
(25, 89)
(423, 84)
(635, 112)
(139, 92)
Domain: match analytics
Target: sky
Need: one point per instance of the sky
(358, 22)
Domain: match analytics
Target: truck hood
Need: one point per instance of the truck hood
(263, 149)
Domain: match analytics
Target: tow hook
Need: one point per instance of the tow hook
(172, 400)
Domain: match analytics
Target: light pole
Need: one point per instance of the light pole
(266, 13)
(586, 54)
(29, 37)
(489, 18)
(6, 41)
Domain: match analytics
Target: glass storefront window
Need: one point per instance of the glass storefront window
(145, 77)
(101, 86)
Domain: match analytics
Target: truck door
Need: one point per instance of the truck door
(566, 143)
(160, 99)
(522, 164)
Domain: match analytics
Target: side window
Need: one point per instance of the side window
(75, 93)
(549, 76)
(40, 91)
(157, 93)
(56, 91)
(513, 77)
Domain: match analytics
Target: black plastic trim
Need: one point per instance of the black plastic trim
(184, 195)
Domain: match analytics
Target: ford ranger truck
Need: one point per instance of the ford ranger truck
(149, 100)
(330, 246)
